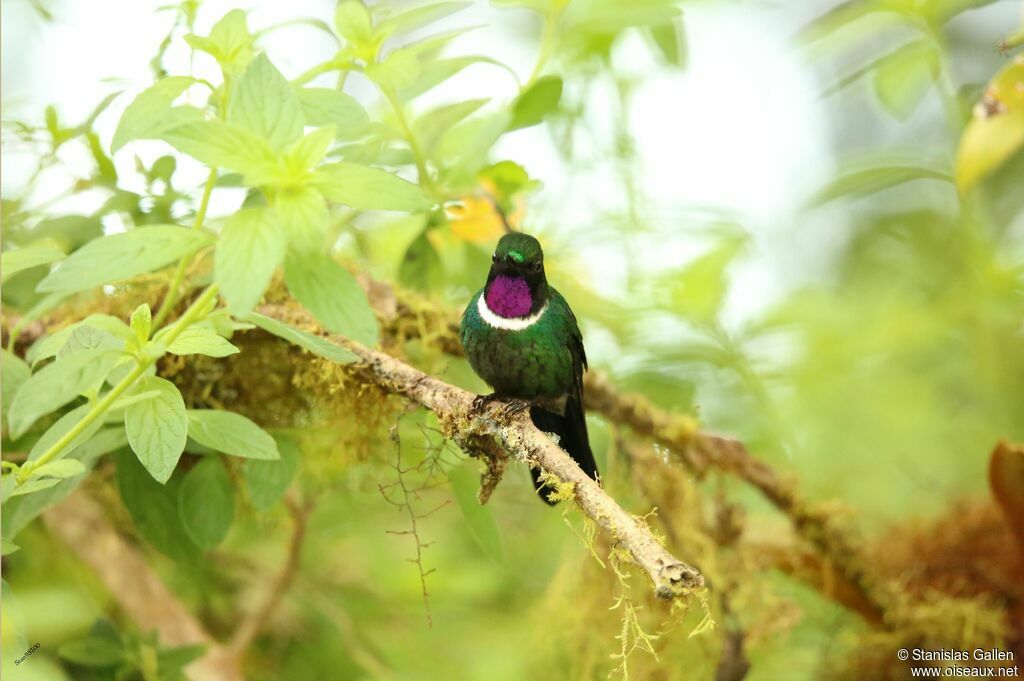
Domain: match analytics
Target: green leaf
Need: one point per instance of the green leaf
(153, 507)
(220, 145)
(200, 339)
(87, 337)
(122, 256)
(14, 371)
(56, 384)
(868, 181)
(352, 21)
(62, 426)
(35, 485)
(206, 503)
(315, 344)
(698, 290)
(670, 39)
(304, 153)
(465, 482)
(93, 651)
(263, 103)
(229, 42)
(324, 106)
(49, 346)
(63, 468)
(433, 72)
(903, 77)
(146, 116)
(86, 448)
(418, 17)
(142, 322)
(333, 295)
(365, 188)
(429, 127)
(398, 70)
(466, 146)
(534, 104)
(988, 143)
(12, 262)
(157, 428)
(250, 248)
(231, 433)
(7, 547)
(267, 481)
(302, 214)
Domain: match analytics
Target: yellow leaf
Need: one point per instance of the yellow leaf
(475, 219)
(996, 130)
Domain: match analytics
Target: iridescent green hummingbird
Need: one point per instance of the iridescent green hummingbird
(522, 339)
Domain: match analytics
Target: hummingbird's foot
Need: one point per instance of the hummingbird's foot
(516, 407)
(480, 403)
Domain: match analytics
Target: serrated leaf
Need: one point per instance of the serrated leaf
(64, 468)
(535, 103)
(200, 339)
(267, 481)
(315, 344)
(304, 153)
(206, 503)
(333, 295)
(398, 70)
(433, 72)
(32, 486)
(250, 248)
(229, 42)
(302, 215)
(56, 384)
(231, 433)
(324, 106)
(49, 346)
(352, 21)
(429, 127)
(122, 256)
(153, 507)
(263, 103)
(87, 337)
(365, 188)
(479, 519)
(157, 428)
(12, 262)
(145, 116)
(141, 322)
(221, 145)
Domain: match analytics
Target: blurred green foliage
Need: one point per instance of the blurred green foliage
(881, 381)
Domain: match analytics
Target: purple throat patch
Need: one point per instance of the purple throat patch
(509, 297)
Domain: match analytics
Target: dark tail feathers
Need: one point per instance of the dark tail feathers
(572, 437)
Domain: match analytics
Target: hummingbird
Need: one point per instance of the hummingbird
(522, 339)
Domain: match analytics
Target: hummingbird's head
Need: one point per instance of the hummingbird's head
(516, 285)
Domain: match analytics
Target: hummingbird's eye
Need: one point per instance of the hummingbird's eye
(494, 258)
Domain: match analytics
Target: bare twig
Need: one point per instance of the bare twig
(255, 621)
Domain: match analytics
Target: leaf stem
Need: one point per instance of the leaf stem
(173, 291)
(414, 145)
(547, 42)
(191, 315)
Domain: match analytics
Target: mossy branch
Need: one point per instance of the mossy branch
(515, 435)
